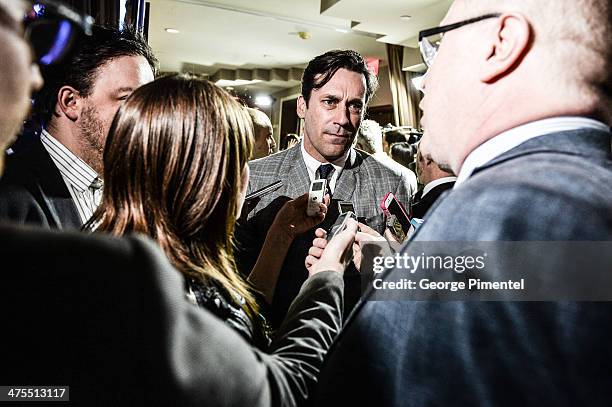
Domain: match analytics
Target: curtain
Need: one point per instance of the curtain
(108, 12)
(414, 98)
(406, 98)
(137, 15)
(105, 12)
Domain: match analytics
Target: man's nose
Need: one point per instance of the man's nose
(423, 82)
(37, 81)
(342, 115)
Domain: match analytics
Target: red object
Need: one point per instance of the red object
(372, 64)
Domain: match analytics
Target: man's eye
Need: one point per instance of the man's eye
(329, 102)
(355, 108)
(124, 97)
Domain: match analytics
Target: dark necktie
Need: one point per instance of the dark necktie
(325, 171)
(417, 197)
(96, 190)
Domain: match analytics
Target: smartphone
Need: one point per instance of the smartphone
(264, 191)
(315, 196)
(391, 206)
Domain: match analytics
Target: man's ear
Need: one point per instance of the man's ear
(509, 43)
(69, 102)
(301, 107)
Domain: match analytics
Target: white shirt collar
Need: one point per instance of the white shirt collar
(72, 168)
(312, 164)
(435, 183)
(518, 135)
(83, 183)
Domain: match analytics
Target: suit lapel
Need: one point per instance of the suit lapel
(296, 178)
(53, 195)
(593, 144)
(347, 181)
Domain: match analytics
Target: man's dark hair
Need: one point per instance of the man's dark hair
(321, 69)
(403, 153)
(394, 136)
(80, 68)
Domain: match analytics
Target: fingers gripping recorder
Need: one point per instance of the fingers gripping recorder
(315, 196)
(338, 227)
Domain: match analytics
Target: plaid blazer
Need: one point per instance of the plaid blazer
(364, 181)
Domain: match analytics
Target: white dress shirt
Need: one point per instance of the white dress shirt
(512, 138)
(83, 183)
(312, 164)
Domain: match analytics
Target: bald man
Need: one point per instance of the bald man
(518, 104)
(264, 141)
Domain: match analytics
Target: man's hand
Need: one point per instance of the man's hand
(292, 219)
(328, 256)
(367, 234)
(316, 250)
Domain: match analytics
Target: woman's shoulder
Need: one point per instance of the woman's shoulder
(211, 296)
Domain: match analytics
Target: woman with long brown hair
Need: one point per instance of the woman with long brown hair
(175, 169)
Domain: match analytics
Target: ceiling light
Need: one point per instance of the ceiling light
(405, 17)
(263, 100)
(341, 30)
(238, 82)
(172, 31)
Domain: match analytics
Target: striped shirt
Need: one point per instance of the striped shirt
(83, 183)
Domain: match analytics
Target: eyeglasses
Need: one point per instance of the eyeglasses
(429, 49)
(51, 28)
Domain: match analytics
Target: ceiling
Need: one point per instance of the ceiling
(247, 34)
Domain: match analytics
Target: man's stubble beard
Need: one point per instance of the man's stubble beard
(92, 139)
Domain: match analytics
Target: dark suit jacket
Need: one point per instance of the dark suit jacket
(32, 191)
(364, 183)
(435, 353)
(109, 318)
(420, 206)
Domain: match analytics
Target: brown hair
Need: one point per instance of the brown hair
(173, 166)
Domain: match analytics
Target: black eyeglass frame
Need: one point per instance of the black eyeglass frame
(55, 9)
(66, 25)
(442, 29)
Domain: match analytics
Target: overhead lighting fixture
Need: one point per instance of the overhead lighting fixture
(235, 83)
(263, 100)
(172, 31)
(341, 30)
(405, 17)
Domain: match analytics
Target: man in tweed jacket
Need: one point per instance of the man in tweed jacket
(336, 88)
